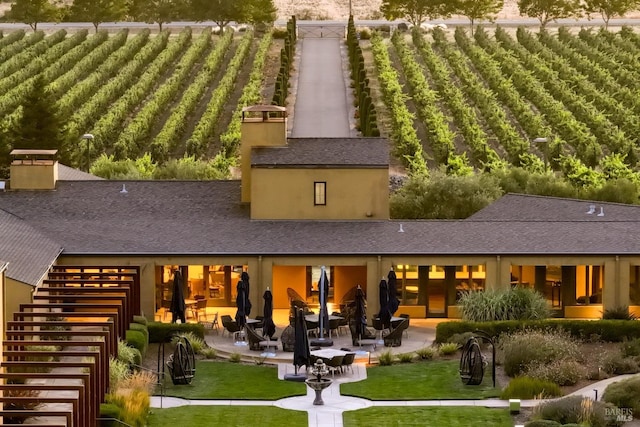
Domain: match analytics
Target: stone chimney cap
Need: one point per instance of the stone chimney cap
(24, 152)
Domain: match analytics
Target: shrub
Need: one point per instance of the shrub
(365, 34)
(562, 372)
(209, 353)
(448, 348)
(631, 348)
(143, 380)
(406, 357)
(516, 303)
(109, 410)
(624, 394)
(615, 363)
(164, 332)
(118, 372)
(386, 358)
(530, 388)
(235, 357)
(136, 339)
(126, 353)
(197, 343)
(524, 348)
(461, 339)
(134, 406)
(141, 328)
(140, 319)
(607, 330)
(574, 409)
(426, 353)
(621, 313)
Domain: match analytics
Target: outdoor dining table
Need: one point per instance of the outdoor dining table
(328, 353)
(316, 318)
(251, 322)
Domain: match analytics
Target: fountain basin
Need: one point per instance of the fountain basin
(317, 385)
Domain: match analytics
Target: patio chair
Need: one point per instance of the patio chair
(257, 342)
(201, 309)
(334, 325)
(231, 326)
(367, 338)
(347, 362)
(334, 364)
(394, 337)
(166, 306)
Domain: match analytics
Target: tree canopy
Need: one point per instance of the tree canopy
(549, 10)
(221, 12)
(416, 11)
(477, 10)
(157, 11)
(32, 12)
(98, 11)
(610, 8)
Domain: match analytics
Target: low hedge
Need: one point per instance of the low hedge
(109, 412)
(162, 332)
(584, 330)
(137, 340)
(140, 319)
(141, 328)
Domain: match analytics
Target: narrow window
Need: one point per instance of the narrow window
(319, 193)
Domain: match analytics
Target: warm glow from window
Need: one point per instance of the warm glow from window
(319, 193)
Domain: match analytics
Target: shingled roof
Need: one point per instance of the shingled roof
(324, 152)
(27, 251)
(206, 218)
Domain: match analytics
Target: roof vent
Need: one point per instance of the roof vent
(124, 190)
(592, 209)
(401, 229)
(601, 211)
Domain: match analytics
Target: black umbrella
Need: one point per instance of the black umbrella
(323, 288)
(384, 314)
(360, 315)
(178, 306)
(268, 328)
(301, 353)
(247, 304)
(241, 299)
(393, 292)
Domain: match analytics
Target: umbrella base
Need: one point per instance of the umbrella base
(300, 378)
(321, 342)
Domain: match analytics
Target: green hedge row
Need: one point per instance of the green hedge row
(286, 61)
(605, 330)
(162, 332)
(367, 116)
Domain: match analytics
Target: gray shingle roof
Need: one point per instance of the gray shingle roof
(329, 152)
(205, 217)
(65, 173)
(27, 251)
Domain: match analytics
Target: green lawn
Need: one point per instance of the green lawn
(427, 417)
(226, 380)
(226, 416)
(437, 379)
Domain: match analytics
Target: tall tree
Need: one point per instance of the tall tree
(477, 10)
(219, 11)
(32, 12)
(260, 12)
(157, 11)
(610, 8)
(549, 10)
(99, 11)
(39, 126)
(416, 11)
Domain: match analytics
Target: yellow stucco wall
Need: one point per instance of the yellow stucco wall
(34, 176)
(350, 193)
(15, 293)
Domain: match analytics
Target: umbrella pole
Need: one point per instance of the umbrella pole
(322, 341)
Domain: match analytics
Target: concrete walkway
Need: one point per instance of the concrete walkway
(321, 104)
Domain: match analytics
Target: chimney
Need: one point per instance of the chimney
(261, 126)
(33, 169)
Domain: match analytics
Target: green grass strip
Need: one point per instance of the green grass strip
(226, 380)
(427, 417)
(226, 416)
(419, 381)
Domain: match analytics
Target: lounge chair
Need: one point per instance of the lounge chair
(230, 325)
(394, 337)
(258, 342)
(366, 338)
(347, 362)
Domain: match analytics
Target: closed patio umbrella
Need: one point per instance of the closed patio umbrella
(247, 303)
(241, 316)
(360, 315)
(178, 306)
(301, 353)
(394, 303)
(268, 328)
(323, 316)
(384, 314)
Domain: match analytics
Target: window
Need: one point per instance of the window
(319, 193)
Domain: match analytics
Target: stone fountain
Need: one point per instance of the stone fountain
(316, 382)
